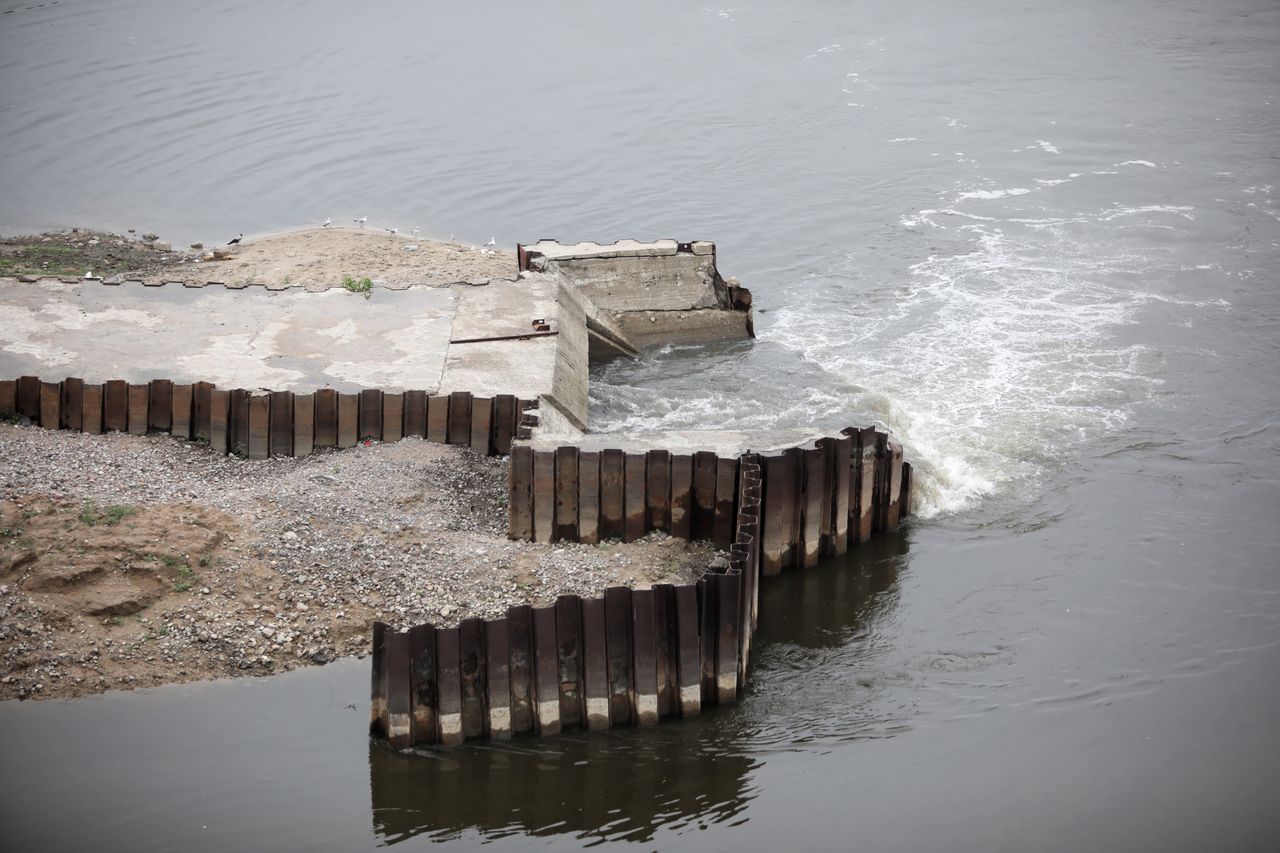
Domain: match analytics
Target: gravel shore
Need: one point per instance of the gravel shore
(138, 560)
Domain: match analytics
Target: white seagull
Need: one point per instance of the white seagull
(328, 221)
(493, 241)
(393, 230)
(361, 221)
(415, 231)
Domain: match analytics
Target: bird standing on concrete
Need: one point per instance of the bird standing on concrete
(235, 241)
(493, 241)
(393, 230)
(328, 221)
(361, 221)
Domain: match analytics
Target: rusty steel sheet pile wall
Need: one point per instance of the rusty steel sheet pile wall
(259, 424)
(636, 656)
(818, 500)
(631, 657)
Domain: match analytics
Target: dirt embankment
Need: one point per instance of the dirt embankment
(138, 560)
(315, 258)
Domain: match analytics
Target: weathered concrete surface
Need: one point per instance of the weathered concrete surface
(704, 325)
(651, 293)
(250, 338)
(531, 337)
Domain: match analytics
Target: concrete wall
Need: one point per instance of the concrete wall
(654, 293)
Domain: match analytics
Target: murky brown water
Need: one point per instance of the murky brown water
(1041, 245)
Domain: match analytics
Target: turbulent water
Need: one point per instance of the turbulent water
(1039, 243)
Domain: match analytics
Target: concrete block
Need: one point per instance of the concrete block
(703, 247)
(647, 327)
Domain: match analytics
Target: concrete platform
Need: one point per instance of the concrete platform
(531, 336)
(288, 339)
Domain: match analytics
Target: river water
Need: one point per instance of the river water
(1038, 242)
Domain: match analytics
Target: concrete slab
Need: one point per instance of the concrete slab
(252, 338)
(554, 251)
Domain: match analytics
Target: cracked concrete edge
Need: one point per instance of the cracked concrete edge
(115, 281)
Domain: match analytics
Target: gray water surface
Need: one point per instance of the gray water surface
(1040, 243)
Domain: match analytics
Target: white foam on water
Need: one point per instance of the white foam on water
(987, 195)
(992, 365)
(1146, 163)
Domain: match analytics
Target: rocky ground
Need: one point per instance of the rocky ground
(315, 258)
(80, 250)
(137, 560)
